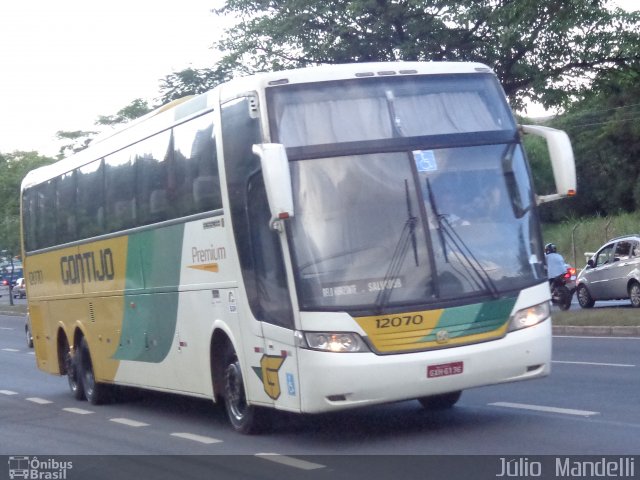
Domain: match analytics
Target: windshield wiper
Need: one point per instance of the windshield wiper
(471, 263)
(408, 235)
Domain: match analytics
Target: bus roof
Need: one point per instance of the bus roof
(181, 109)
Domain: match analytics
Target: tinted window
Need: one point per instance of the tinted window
(156, 196)
(194, 173)
(90, 212)
(120, 193)
(66, 207)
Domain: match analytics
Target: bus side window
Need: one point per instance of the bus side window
(46, 214)
(120, 190)
(66, 207)
(90, 215)
(196, 166)
(154, 180)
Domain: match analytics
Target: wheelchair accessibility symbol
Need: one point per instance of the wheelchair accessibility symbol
(425, 160)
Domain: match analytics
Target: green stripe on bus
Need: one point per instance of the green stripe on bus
(473, 319)
(150, 318)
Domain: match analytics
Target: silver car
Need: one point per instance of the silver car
(613, 273)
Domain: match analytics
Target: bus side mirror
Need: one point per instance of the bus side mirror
(562, 162)
(277, 180)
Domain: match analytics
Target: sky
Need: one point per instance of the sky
(63, 63)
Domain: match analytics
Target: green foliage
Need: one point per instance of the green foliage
(136, 109)
(538, 49)
(13, 167)
(79, 140)
(191, 82)
(605, 133)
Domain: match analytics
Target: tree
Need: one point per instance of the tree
(605, 132)
(545, 51)
(191, 82)
(136, 109)
(13, 167)
(78, 140)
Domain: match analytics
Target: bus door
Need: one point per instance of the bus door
(271, 304)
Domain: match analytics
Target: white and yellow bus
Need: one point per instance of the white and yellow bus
(307, 240)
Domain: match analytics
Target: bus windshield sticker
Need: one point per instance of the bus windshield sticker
(425, 160)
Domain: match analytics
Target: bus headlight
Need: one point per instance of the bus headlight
(527, 317)
(335, 342)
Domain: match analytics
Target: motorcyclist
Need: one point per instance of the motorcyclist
(555, 263)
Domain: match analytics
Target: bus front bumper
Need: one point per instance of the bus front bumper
(336, 381)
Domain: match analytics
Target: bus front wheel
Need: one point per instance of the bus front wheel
(440, 402)
(244, 418)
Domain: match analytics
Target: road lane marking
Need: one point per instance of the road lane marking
(79, 411)
(8, 392)
(39, 401)
(6, 328)
(129, 422)
(590, 337)
(196, 438)
(290, 461)
(595, 363)
(541, 408)
(10, 350)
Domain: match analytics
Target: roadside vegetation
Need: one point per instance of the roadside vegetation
(576, 236)
(596, 317)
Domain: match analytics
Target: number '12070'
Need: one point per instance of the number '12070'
(404, 321)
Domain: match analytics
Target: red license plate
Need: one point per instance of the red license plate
(445, 369)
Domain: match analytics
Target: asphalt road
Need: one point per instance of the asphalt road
(588, 406)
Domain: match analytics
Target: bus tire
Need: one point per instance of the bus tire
(73, 372)
(442, 401)
(96, 392)
(244, 418)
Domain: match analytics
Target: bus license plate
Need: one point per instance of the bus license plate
(445, 369)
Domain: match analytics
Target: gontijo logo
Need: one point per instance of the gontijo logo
(87, 267)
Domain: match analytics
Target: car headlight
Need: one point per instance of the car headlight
(337, 342)
(527, 317)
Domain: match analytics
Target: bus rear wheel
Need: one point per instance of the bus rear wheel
(440, 402)
(244, 418)
(73, 374)
(96, 392)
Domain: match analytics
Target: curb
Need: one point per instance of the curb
(596, 331)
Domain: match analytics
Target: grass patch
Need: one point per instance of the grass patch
(598, 317)
(575, 236)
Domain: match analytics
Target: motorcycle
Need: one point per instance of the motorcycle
(563, 287)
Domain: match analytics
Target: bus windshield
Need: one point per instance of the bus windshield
(382, 108)
(408, 191)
